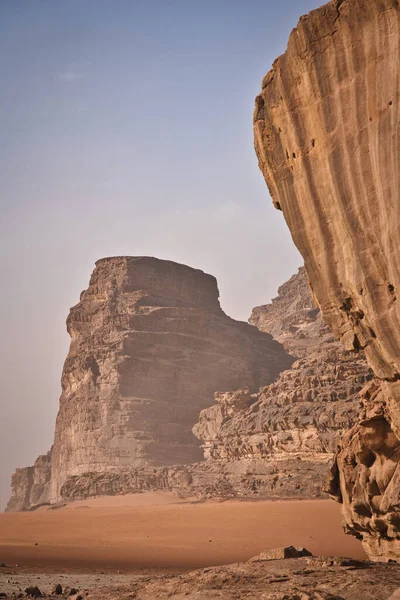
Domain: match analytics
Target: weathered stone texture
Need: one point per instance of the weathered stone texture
(293, 319)
(304, 578)
(275, 443)
(149, 347)
(287, 433)
(326, 127)
(31, 485)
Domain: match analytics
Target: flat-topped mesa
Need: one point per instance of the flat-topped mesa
(326, 127)
(149, 347)
(275, 443)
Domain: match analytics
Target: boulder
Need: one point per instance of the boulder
(280, 553)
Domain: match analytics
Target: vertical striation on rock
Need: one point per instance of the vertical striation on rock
(149, 347)
(326, 127)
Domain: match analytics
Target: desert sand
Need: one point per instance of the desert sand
(156, 531)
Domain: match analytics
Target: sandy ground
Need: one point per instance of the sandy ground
(153, 531)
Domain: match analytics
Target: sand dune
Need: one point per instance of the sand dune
(154, 531)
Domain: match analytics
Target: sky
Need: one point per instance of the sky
(126, 129)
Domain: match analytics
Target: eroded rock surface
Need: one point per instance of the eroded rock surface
(31, 485)
(283, 438)
(293, 319)
(319, 578)
(366, 479)
(276, 442)
(326, 129)
(149, 347)
(308, 578)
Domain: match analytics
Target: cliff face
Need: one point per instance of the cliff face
(326, 129)
(275, 442)
(31, 485)
(149, 346)
(294, 424)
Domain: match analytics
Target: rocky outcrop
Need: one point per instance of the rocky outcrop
(149, 347)
(277, 442)
(217, 479)
(304, 578)
(273, 575)
(280, 554)
(293, 319)
(365, 478)
(326, 129)
(30, 485)
(287, 433)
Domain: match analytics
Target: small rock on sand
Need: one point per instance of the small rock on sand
(57, 590)
(33, 591)
(280, 553)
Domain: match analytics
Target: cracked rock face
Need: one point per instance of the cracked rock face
(149, 347)
(326, 127)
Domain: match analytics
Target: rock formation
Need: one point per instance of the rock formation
(282, 439)
(293, 319)
(31, 485)
(326, 129)
(275, 574)
(308, 578)
(277, 442)
(149, 347)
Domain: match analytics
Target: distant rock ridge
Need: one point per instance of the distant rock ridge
(326, 130)
(277, 442)
(291, 428)
(149, 347)
(293, 319)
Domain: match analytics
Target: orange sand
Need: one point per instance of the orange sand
(156, 531)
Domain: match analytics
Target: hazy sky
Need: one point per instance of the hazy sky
(126, 128)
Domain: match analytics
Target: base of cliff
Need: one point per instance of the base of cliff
(294, 477)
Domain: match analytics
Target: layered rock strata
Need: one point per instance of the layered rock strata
(149, 347)
(283, 438)
(31, 485)
(326, 127)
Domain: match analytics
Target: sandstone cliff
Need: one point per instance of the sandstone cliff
(283, 438)
(149, 347)
(326, 127)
